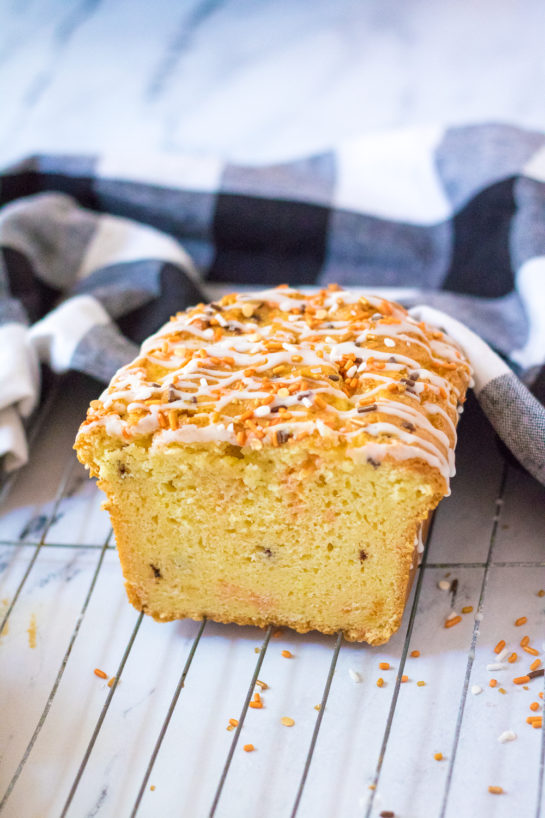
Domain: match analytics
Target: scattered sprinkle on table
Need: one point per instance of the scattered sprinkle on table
(453, 620)
(317, 706)
(404, 678)
(421, 684)
(262, 685)
(500, 646)
(287, 654)
(443, 585)
(384, 665)
(495, 790)
(380, 682)
(522, 620)
(534, 706)
(493, 682)
(467, 609)
(152, 787)
(248, 748)
(541, 592)
(287, 722)
(415, 654)
(507, 735)
(524, 641)
(100, 673)
(438, 756)
(535, 664)
(387, 813)
(521, 680)
(512, 658)
(111, 682)
(354, 675)
(496, 666)
(476, 689)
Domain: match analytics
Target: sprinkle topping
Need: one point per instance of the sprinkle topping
(273, 367)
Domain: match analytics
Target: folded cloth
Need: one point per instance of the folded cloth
(97, 252)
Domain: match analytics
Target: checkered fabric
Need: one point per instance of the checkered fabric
(97, 252)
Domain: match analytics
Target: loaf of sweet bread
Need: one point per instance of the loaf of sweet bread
(271, 458)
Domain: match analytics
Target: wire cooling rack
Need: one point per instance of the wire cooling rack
(152, 738)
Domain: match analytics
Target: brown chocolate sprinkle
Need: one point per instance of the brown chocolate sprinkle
(407, 425)
(282, 436)
(156, 572)
(533, 674)
(363, 555)
(333, 377)
(373, 462)
(387, 813)
(371, 408)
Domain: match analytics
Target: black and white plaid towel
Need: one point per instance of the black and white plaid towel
(98, 251)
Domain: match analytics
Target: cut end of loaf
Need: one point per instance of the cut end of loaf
(301, 536)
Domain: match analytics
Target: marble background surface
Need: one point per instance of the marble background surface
(259, 80)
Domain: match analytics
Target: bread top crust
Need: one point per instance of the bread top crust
(273, 367)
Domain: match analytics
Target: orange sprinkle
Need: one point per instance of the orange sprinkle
(493, 682)
(173, 419)
(320, 402)
(248, 748)
(438, 756)
(534, 706)
(512, 658)
(524, 641)
(531, 651)
(415, 654)
(241, 438)
(522, 620)
(541, 592)
(540, 694)
(380, 682)
(287, 654)
(404, 678)
(256, 705)
(233, 722)
(287, 722)
(262, 685)
(296, 359)
(111, 682)
(500, 646)
(502, 690)
(421, 684)
(535, 721)
(449, 623)
(100, 673)
(535, 664)
(247, 415)
(384, 666)
(467, 609)
(521, 680)
(495, 790)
